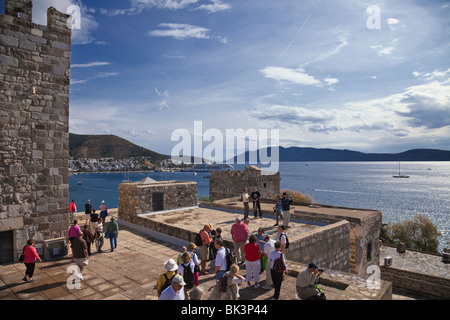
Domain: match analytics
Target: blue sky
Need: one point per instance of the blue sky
(312, 69)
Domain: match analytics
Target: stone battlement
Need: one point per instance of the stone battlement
(34, 126)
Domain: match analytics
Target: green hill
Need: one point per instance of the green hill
(107, 146)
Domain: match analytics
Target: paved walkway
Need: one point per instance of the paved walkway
(128, 273)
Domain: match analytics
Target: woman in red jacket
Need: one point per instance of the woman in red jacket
(30, 256)
(252, 256)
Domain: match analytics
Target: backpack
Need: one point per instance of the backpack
(223, 282)
(188, 276)
(229, 256)
(287, 240)
(198, 240)
(278, 264)
(168, 282)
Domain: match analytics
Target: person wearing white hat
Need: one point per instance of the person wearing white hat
(175, 291)
(171, 267)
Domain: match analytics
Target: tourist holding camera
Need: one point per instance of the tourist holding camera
(307, 281)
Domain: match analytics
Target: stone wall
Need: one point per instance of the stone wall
(425, 285)
(365, 225)
(226, 184)
(34, 124)
(365, 228)
(136, 198)
(327, 246)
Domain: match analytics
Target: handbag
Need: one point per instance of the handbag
(22, 257)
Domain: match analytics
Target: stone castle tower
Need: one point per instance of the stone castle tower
(34, 127)
(227, 184)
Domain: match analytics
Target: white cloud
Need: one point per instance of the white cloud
(164, 4)
(392, 22)
(331, 81)
(326, 55)
(418, 115)
(297, 76)
(180, 31)
(215, 6)
(428, 76)
(90, 64)
(383, 51)
(137, 6)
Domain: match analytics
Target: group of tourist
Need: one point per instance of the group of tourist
(93, 232)
(281, 209)
(258, 252)
(81, 241)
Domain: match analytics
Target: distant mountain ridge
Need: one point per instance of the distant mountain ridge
(299, 154)
(111, 146)
(108, 146)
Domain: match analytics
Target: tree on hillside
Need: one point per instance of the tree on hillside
(417, 233)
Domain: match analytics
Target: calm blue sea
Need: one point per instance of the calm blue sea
(366, 185)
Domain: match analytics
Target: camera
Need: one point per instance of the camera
(321, 270)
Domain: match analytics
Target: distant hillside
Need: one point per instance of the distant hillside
(107, 146)
(294, 154)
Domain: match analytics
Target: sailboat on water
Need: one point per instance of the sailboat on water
(400, 175)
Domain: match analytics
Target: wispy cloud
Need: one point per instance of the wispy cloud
(296, 76)
(383, 51)
(138, 6)
(180, 31)
(392, 22)
(164, 4)
(418, 112)
(90, 64)
(326, 55)
(215, 6)
(100, 75)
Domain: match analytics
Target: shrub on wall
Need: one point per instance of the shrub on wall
(417, 233)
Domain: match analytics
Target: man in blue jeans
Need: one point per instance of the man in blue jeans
(113, 232)
(221, 259)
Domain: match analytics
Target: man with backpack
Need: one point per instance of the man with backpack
(187, 270)
(205, 241)
(221, 263)
(165, 279)
(282, 238)
(278, 268)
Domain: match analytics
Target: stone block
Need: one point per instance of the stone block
(8, 41)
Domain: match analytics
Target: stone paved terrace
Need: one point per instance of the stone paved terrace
(130, 273)
(416, 261)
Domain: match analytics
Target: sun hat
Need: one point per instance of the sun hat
(170, 265)
(178, 279)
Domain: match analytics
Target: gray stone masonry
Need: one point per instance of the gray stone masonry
(34, 124)
(226, 184)
(138, 198)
